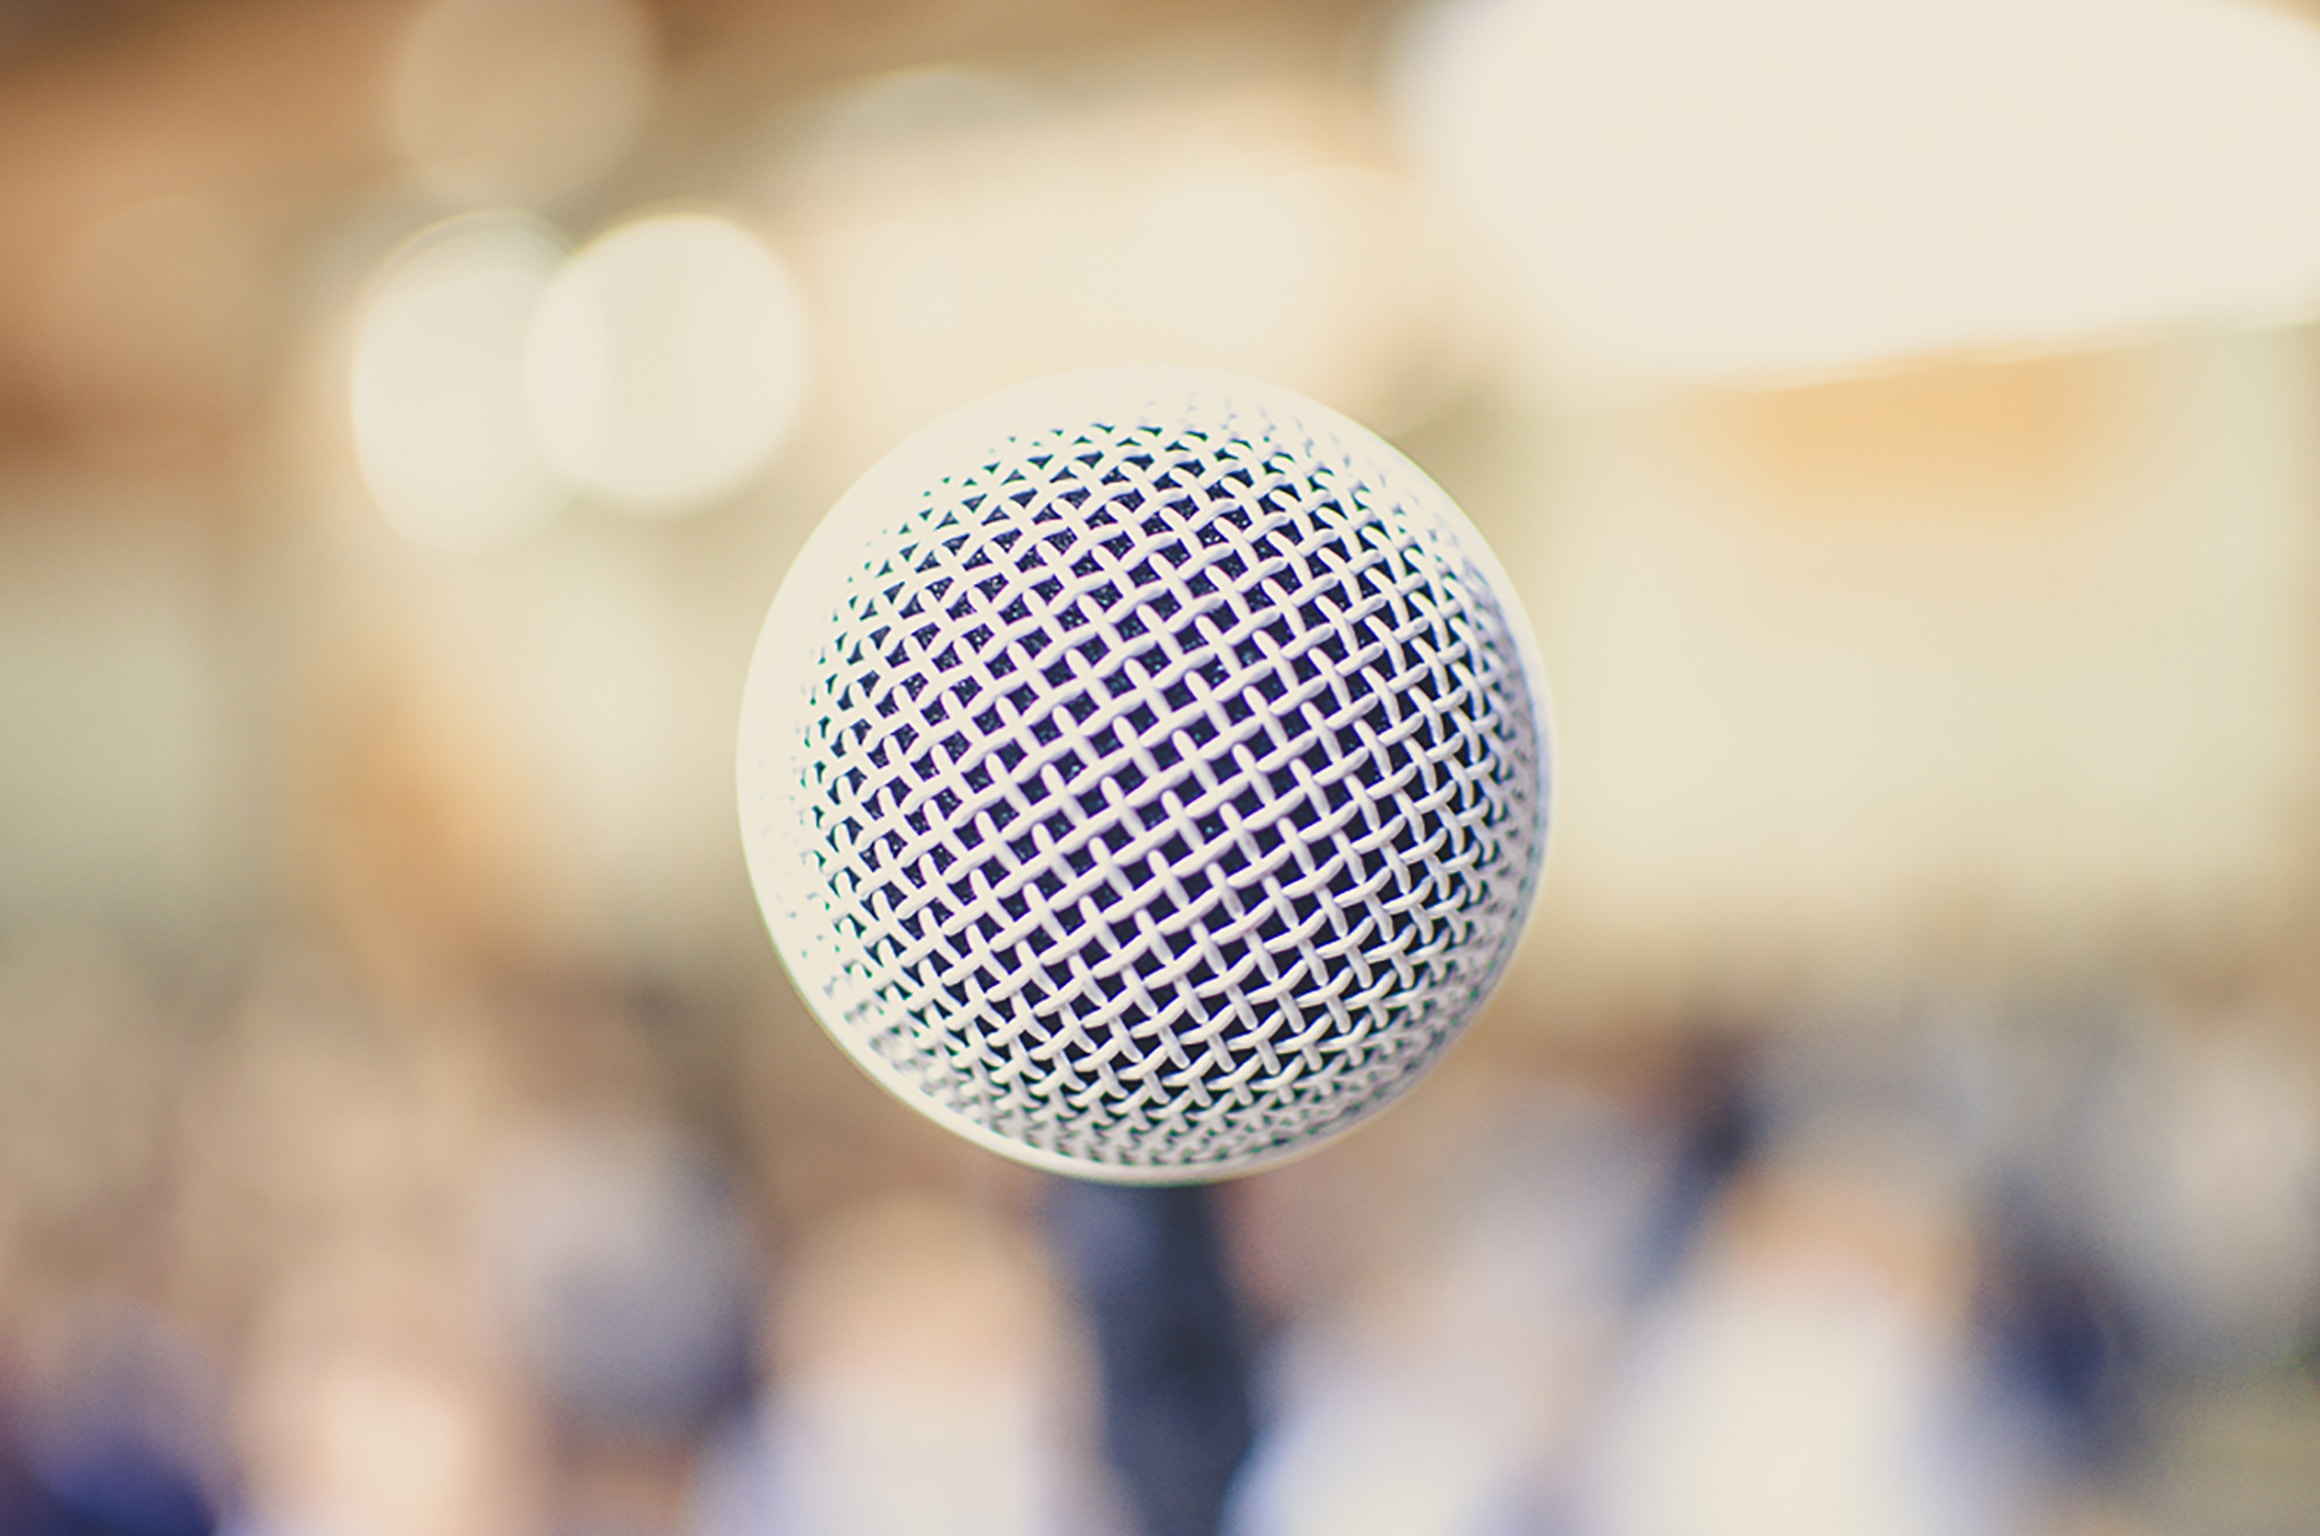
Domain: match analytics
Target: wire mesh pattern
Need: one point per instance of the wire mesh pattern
(1166, 789)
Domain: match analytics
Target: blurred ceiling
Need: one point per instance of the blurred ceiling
(271, 110)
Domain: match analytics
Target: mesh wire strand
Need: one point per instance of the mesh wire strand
(1169, 789)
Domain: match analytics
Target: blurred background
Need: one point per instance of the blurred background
(1903, 421)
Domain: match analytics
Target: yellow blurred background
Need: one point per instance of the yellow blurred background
(1902, 421)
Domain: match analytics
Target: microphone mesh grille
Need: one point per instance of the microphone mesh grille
(1162, 791)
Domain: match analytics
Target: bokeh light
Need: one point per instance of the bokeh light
(440, 423)
(1705, 191)
(526, 101)
(965, 230)
(668, 362)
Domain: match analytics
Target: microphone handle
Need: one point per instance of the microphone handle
(1148, 1269)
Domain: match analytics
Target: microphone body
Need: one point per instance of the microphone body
(1145, 773)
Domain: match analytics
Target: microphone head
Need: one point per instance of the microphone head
(1144, 773)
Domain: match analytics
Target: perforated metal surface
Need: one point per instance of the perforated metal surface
(1142, 773)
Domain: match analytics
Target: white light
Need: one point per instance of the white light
(1801, 186)
(964, 233)
(438, 398)
(668, 362)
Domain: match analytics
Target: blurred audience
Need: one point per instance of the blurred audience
(276, 1265)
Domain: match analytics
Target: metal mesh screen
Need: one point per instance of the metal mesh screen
(1151, 790)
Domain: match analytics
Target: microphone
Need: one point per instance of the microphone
(1144, 772)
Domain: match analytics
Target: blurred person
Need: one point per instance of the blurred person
(305, 1133)
(2197, 1180)
(1709, 1114)
(1810, 1369)
(2000, 1084)
(470, 1258)
(922, 1382)
(372, 1401)
(2060, 1339)
(1988, 1088)
(624, 1282)
(108, 1415)
(118, 1430)
(1443, 1392)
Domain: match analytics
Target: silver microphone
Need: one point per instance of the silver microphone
(1144, 773)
